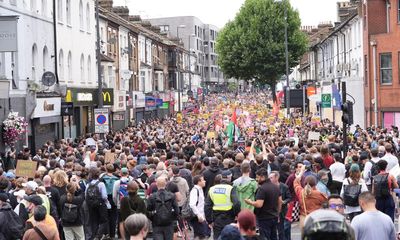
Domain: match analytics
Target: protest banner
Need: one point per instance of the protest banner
(26, 168)
(313, 136)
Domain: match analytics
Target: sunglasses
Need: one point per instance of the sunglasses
(335, 206)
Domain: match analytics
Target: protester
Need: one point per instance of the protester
(137, 226)
(245, 187)
(200, 226)
(335, 202)
(40, 229)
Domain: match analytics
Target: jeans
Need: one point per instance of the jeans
(74, 233)
(268, 228)
(163, 232)
(98, 221)
(386, 205)
(112, 217)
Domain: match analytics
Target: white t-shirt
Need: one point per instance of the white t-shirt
(338, 171)
(350, 209)
(391, 160)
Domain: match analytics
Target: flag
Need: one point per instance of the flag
(232, 131)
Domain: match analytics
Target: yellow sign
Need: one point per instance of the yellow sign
(298, 121)
(287, 120)
(179, 117)
(272, 129)
(68, 97)
(106, 97)
(26, 168)
(210, 134)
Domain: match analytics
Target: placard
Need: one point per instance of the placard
(314, 136)
(26, 168)
(210, 134)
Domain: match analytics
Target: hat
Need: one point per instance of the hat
(10, 175)
(230, 233)
(226, 173)
(35, 199)
(354, 168)
(31, 185)
(247, 220)
(306, 163)
(124, 170)
(3, 197)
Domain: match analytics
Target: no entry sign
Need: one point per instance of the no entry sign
(101, 120)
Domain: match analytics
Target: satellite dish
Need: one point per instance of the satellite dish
(48, 79)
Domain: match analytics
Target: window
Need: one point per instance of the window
(68, 11)
(61, 65)
(89, 70)
(69, 66)
(44, 8)
(33, 5)
(82, 69)
(87, 17)
(398, 11)
(366, 77)
(386, 68)
(81, 15)
(45, 58)
(60, 10)
(34, 61)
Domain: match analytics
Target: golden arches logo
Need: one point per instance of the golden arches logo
(106, 96)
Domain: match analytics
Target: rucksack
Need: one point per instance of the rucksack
(374, 169)
(164, 211)
(351, 193)
(14, 229)
(381, 186)
(187, 212)
(70, 213)
(93, 195)
(123, 189)
(109, 182)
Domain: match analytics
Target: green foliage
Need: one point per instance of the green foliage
(252, 46)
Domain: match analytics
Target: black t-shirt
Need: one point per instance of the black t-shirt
(270, 193)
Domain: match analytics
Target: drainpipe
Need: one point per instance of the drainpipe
(55, 40)
(373, 44)
(387, 16)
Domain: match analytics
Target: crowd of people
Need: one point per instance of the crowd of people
(231, 170)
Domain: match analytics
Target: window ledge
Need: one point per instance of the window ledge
(69, 25)
(60, 22)
(386, 84)
(81, 30)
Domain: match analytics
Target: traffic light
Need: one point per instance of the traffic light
(347, 111)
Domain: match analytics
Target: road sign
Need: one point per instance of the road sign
(101, 121)
(326, 100)
(67, 109)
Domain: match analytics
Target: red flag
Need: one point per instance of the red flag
(234, 117)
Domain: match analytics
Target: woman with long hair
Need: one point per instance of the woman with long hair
(351, 189)
(60, 181)
(70, 204)
(197, 168)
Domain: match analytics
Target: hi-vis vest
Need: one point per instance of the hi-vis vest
(221, 197)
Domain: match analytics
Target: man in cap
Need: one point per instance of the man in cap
(32, 202)
(41, 229)
(221, 205)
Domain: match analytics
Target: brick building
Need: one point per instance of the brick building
(381, 57)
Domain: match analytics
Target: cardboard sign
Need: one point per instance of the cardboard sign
(210, 134)
(314, 136)
(109, 157)
(272, 129)
(179, 118)
(26, 168)
(298, 121)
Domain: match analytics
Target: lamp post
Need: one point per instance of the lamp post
(287, 58)
(190, 67)
(99, 80)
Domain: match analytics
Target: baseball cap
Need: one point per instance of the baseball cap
(10, 175)
(35, 199)
(230, 233)
(31, 185)
(226, 173)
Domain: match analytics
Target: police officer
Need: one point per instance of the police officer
(221, 206)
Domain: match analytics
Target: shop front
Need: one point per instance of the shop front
(45, 120)
(164, 110)
(151, 108)
(118, 111)
(139, 105)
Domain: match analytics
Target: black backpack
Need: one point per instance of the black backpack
(374, 169)
(164, 214)
(14, 229)
(381, 186)
(351, 193)
(93, 195)
(70, 213)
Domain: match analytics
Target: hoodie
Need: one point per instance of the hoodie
(245, 189)
(209, 176)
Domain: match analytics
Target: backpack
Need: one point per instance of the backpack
(109, 182)
(123, 189)
(14, 229)
(351, 193)
(164, 211)
(93, 195)
(381, 186)
(70, 213)
(374, 169)
(187, 212)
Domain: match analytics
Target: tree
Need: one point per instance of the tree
(252, 46)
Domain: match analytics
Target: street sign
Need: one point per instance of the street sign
(326, 100)
(101, 121)
(67, 109)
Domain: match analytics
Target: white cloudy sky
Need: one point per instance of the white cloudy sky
(218, 12)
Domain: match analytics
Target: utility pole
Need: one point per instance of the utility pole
(287, 64)
(99, 81)
(344, 123)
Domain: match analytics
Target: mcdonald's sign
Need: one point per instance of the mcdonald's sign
(108, 96)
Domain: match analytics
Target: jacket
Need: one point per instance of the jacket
(311, 202)
(246, 188)
(78, 201)
(155, 198)
(132, 204)
(209, 176)
(48, 231)
(183, 189)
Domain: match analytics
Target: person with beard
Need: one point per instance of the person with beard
(211, 173)
(268, 205)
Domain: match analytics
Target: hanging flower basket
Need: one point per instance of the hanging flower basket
(13, 127)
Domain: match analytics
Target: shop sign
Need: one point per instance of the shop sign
(101, 121)
(159, 102)
(67, 109)
(108, 96)
(47, 107)
(81, 96)
(84, 97)
(150, 102)
(118, 116)
(138, 99)
(119, 101)
(165, 105)
(8, 34)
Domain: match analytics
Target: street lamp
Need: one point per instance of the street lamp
(177, 30)
(190, 67)
(287, 58)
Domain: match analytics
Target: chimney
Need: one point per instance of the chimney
(121, 11)
(155, 29)
(134, 18)
(106, 4)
